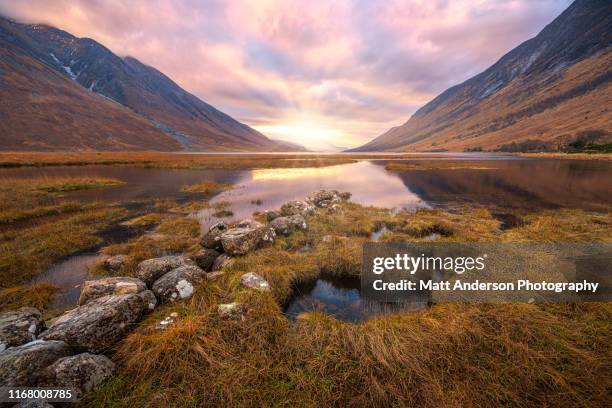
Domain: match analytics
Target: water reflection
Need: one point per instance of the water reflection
(69, 275)
(341, 298)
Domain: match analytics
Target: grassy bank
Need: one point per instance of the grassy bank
(446, 355)
(186, 161)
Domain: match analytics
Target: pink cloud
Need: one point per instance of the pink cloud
(347, 69)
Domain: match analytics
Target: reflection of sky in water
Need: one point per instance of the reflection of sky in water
(69, 275)
(370, 184)
(341, 298)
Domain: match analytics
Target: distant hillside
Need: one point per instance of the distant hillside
(62, 92)
(547, 92)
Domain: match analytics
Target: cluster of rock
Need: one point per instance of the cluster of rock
(68, 351)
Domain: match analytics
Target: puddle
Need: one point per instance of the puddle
(341, 298)
(69, 276)
(375, 236)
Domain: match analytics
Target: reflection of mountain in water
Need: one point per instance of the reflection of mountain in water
(525, 184)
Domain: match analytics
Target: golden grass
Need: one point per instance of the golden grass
(26, 252)
(437, 165)
(206, 187)
(186, 161)
(38, 296)
(445, 356)
(174, 234)
(571, 156)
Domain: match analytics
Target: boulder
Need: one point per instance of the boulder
(115, 262)
(287, 225)
(221, 262)
(97, 325)
(248, 223)
(81, 373)
(327, 198)
(205, 258)
(120, 285)
(212, 239)
(152, 269)
(232, 311)
(271, 214)
(242, 240)
(19, 327)
(22, 366)
(178, 283)
(302, 208)
(254, 281)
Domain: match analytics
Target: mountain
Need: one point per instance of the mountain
(62, 92)
(547, 91)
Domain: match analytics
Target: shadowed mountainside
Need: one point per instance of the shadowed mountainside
(63, 92)
(553, 88)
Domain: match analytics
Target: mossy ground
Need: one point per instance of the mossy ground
(446, 355)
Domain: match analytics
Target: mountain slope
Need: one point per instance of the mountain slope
(550, 88)
(162, 114)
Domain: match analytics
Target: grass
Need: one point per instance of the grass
(38, 296)
(434, 165)
(446, 355)
(184, 161)
(59, 185)
(26, 252)
(206, 187)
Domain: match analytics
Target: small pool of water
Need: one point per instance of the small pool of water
(69, 275)
(341, 298)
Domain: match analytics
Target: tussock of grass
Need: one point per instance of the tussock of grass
(206, 187)
(20, 214)
(26, 252)
(38, 296)
(57, 185)
(174, 235)
(145, 220)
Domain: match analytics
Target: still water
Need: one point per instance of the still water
(513, 184)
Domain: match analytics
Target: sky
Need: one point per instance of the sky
(324, 74)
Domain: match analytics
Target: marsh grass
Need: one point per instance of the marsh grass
(445, 356)
(435, 165)
(206, 187)
(37, 295)
(25, 252)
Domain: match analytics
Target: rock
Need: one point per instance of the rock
(167, 321)
(214, 276)
(149, 300)
(152, 269)
(19, 327)
(242, 240)
(271, 214)
(345, 195)
(212, 239)
(221, 262)
(302, 208)
(115, 262)
(178, 283)
(97, 325)
(120, 285)
(33, 404)
(249, 224)
(232, 311)
(81, 373)
(205, 258)
(328, 198)
(287, 225)
(254, 281)
(21, 366)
